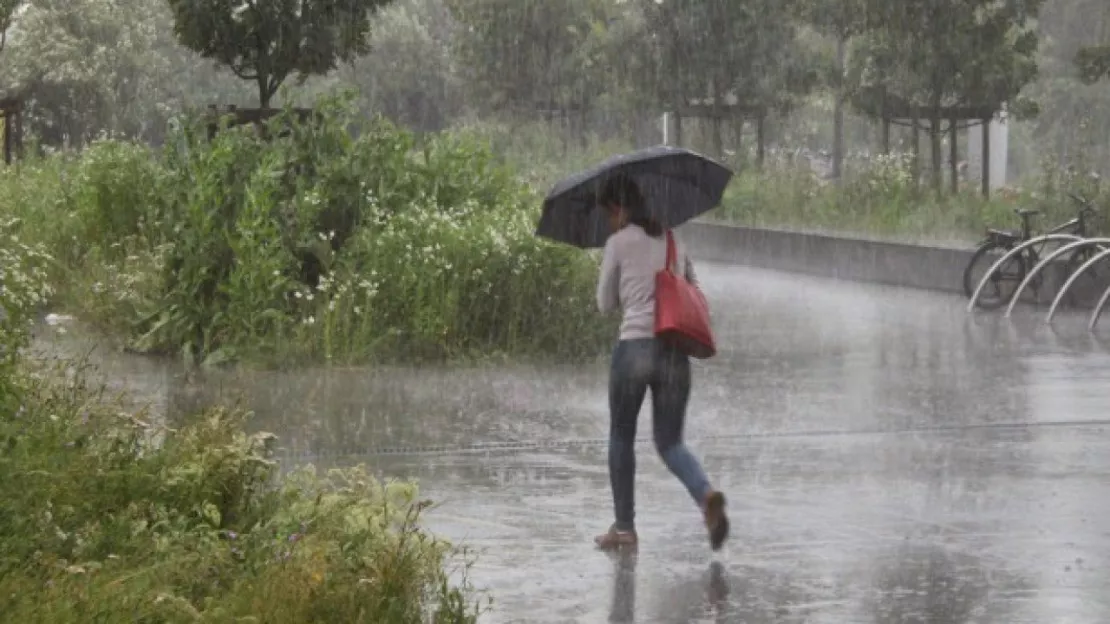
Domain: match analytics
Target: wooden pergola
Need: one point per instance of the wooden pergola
(11, 108)
(891, 109)
(236, 116)
(719, 111)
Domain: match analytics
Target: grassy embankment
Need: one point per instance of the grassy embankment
(323, 245)
(107, 516)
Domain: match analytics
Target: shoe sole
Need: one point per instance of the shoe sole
(717, 520)
(610, 543)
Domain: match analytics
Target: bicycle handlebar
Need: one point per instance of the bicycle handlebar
(1085, 207)
(1083, 202)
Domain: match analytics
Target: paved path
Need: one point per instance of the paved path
(887, 459)
(967, 518)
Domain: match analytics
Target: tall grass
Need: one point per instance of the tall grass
(344, 240)
(877, 197)
(107, 516)
(881, 200)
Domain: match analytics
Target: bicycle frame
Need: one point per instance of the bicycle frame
(1072, 231)
(1099, 257)
(1059, 251)
(1071, 224)
(1020, 248)
(1075, 227)
(1097, 312)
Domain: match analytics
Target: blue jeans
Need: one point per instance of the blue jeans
(636, 366)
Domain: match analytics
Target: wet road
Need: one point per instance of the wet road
(887, 459)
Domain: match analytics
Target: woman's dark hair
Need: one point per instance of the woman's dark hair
(623, 191)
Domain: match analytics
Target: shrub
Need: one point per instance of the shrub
(338, 238)
(108, 517)
(23, 290)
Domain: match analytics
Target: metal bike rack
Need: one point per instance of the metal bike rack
(1010, 254)
(1098, 310)
(1095, 259)
(1100, 242)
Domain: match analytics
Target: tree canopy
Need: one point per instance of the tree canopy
(1093, 63)
(266, 41)
(532, 54)
(8, 9)
(938, 53)
(602, 69)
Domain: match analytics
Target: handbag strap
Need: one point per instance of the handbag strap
(672, 260)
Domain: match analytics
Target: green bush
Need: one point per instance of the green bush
(338, 239)
(23, 290)
(108, 518)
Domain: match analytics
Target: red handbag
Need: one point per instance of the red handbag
(681, 311)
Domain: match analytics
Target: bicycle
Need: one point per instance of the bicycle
(998, 242)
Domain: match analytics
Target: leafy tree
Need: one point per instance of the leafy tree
(528, 55)
(1076, 112)
(8, 10)
(74, 84)
(410, 78)
(84, 71)
(1093, 63)
(746, 51)
(841, 20)
(268, 40)
(940, 53)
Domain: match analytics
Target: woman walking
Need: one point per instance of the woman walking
(634, 252)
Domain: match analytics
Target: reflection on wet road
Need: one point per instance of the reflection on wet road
(936, 509)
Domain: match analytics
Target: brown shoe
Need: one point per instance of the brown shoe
(616, 540)
(715, 519)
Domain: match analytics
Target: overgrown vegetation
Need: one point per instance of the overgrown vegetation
(113, 517)
(881, 200)
(337, 240)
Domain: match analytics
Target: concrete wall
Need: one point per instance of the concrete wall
(854, 259)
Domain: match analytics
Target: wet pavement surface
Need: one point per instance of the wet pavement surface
(887, 458)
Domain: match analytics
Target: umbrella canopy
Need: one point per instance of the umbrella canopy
(677, 184)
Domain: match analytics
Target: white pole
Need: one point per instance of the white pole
(666, 127)
(1000, 148)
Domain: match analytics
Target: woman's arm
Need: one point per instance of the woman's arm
(691, 275)
(608, 282)
(688, 265)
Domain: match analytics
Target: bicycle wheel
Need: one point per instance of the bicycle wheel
(1086, 290)
(1003, 282)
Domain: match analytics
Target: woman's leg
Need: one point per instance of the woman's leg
(629, 374)
(670, 393)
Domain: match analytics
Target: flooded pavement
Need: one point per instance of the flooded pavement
(887, 459)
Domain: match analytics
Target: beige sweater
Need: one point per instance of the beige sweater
(627, 281)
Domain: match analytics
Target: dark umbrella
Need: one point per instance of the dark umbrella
(677, 184)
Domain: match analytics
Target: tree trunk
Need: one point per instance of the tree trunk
(582, 123)
(760, 140)
(677, 129)
(738, 124)
(936, 134)
(715, 121)
(563, 130)
(718, 139)
(9, 131)
(264, 93)
(886, 136)
(916, 151)
(954, 154)
(838, 111)
(986, 158)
